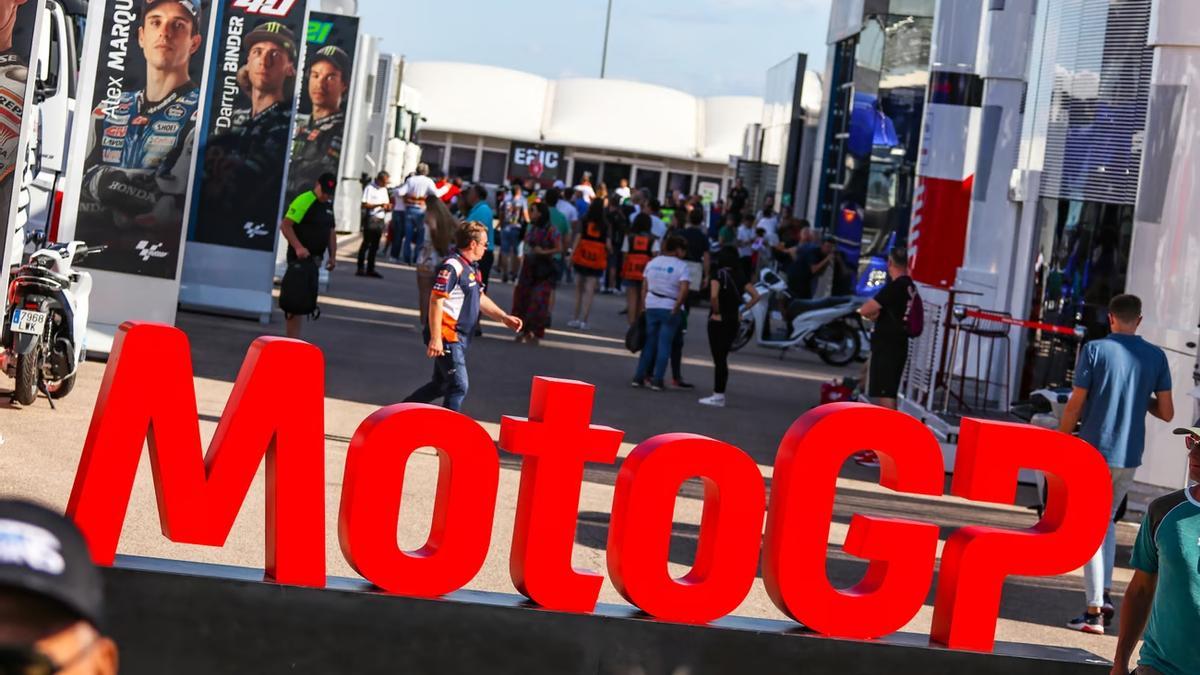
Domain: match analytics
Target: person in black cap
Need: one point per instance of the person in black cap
(309, 230)
(317, 145)
(246, 162)
(1161, 605)
(51, 597)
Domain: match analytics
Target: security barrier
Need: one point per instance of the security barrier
(185, 618)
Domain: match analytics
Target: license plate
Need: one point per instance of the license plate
(25, 321)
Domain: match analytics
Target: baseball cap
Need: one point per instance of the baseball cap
(44, 554)
(335, 55)
(559, 184)
(328, 183)
(273, 31)
(190, 6)
(1187, 431)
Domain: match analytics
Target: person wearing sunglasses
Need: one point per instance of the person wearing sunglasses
(1162, 602)
(51, 597)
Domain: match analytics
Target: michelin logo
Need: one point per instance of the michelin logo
(255, 230)
(147, 251)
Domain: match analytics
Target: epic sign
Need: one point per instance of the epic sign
(275, 411)
(541, 163)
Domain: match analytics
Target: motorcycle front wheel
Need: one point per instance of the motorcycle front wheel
(840, 343)
(27, 374)
(745, 332)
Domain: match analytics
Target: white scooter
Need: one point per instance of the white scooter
(830, 327)
(42, 339)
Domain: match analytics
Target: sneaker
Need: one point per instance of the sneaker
(680, 384)
(1108, 611)
(360, 273)
(656, 386)
(868, 459)
(714, 401)
(573, 323)
(1088, 623)
(581, 325)
(374, 275)
(638, 384)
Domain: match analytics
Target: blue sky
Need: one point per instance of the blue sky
(704, 47)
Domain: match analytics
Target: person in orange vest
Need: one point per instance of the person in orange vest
(639, 247)
(589, 258)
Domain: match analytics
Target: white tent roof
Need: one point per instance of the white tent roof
(581, 112)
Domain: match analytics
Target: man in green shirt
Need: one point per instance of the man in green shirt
(1166, 582)
(309, 230)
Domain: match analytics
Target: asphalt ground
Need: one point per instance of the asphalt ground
(374, 357)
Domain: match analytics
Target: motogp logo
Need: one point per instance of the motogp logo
(147, 251)
(265, 7)
(255, 230)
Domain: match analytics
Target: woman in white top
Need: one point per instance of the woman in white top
(414, 194)
(437, 232)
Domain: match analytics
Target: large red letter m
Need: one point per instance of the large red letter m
(276, 410)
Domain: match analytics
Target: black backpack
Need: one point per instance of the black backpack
(298, 290)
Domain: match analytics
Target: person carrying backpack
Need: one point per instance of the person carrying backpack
(308, 228)
(898, 314)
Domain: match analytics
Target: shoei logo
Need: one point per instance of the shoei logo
(265, 7)
(275, 413)
(30, 546)
(147, 251)
(253, 230)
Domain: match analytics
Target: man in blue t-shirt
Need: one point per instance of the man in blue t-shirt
(480, 212)
(1165, 589)
(1117, 381)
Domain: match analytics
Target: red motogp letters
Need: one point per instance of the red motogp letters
(275, 413)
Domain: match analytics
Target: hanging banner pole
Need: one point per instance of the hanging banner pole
(327, 119)
(242, 161)
(131, 155)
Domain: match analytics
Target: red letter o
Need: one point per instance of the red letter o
(639, 538)
(469, 471)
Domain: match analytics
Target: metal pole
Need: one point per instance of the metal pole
(604, 56)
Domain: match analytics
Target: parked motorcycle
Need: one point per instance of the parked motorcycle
(830, 327)
(44, 331)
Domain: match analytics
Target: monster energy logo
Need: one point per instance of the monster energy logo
(318, 31)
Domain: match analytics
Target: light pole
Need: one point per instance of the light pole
(604, 56)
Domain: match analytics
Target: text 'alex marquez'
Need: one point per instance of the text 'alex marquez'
(123, 18)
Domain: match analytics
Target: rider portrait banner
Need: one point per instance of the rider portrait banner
(329, 54)
(245, 142)
(19, 31)
(141, 117)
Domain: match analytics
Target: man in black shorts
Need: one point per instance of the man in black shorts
(889, 343)
(309, 230)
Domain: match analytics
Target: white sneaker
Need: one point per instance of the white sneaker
(581, 325)
(714, 401)
(573, 323)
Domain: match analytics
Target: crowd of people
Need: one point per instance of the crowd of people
(665, 257)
